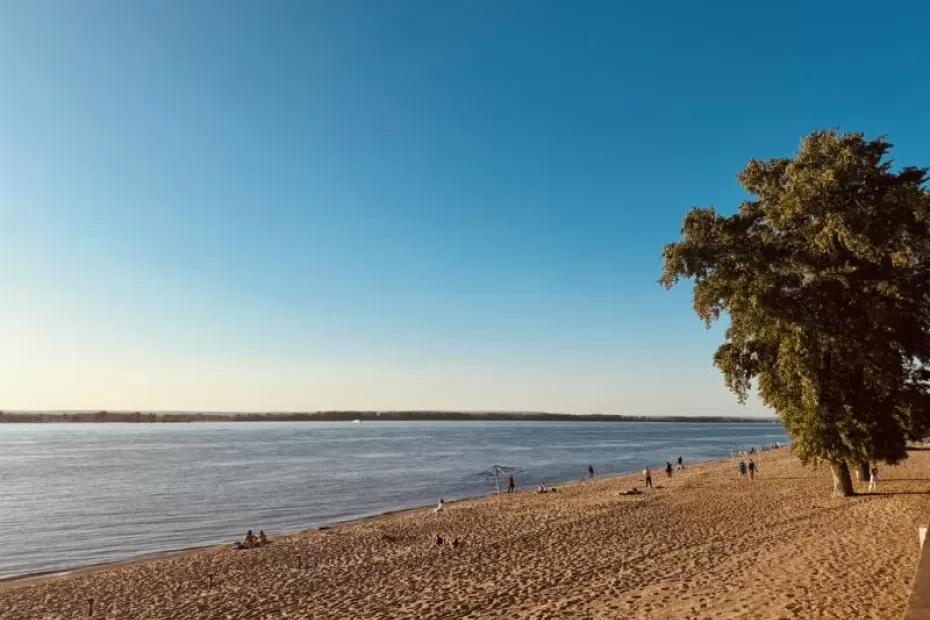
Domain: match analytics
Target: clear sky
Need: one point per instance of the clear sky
(395, 205)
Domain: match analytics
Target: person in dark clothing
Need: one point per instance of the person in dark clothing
(591, 472)
(668, 468)
(752, 469)
(511, 484)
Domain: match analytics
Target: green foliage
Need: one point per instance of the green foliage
(825, 277)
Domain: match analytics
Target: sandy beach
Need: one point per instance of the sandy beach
(701, 545)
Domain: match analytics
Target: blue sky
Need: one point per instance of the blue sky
(394, 205)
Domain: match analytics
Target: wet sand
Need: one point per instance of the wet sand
(706, 545)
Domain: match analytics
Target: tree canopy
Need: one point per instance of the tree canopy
(825, 277)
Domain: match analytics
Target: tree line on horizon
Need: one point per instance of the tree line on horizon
(824, 277)
(336, 416)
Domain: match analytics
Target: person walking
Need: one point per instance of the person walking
(511, 484)
(752, 469)
(742, 469)
(590, 472)
(647, 478)
(680, 463)
(668, 469)
(873, 478)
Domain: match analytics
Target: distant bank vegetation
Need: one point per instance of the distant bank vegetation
(343, 416)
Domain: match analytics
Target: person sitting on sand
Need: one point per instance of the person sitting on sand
(262, 539)
(248, 542)
(541, 488)
(633, 491)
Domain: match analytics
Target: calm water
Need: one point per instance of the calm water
(77, 494)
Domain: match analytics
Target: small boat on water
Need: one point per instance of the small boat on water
(356, 421)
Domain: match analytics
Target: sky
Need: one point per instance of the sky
(400, 205)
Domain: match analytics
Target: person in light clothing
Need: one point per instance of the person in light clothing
(873, 478)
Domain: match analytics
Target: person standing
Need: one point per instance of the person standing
(511, 484)
(873, 478)
(647, 478)
(668, 469)
(590, 472)
(742, 469)
(752, 469)
(680, 463)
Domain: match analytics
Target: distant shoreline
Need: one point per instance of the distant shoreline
(174, 417)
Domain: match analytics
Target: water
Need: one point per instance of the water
(78, 494)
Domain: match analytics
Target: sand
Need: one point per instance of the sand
(705, 546)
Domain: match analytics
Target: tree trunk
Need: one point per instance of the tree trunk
(863, 471)
(842, 483)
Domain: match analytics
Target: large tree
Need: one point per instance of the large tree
(825, 277)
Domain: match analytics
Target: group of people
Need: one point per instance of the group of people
(743, 468)
(251, 540)
(439, 541)
(542, 488)
(647, 475)
(647, 480)
(752, 449)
